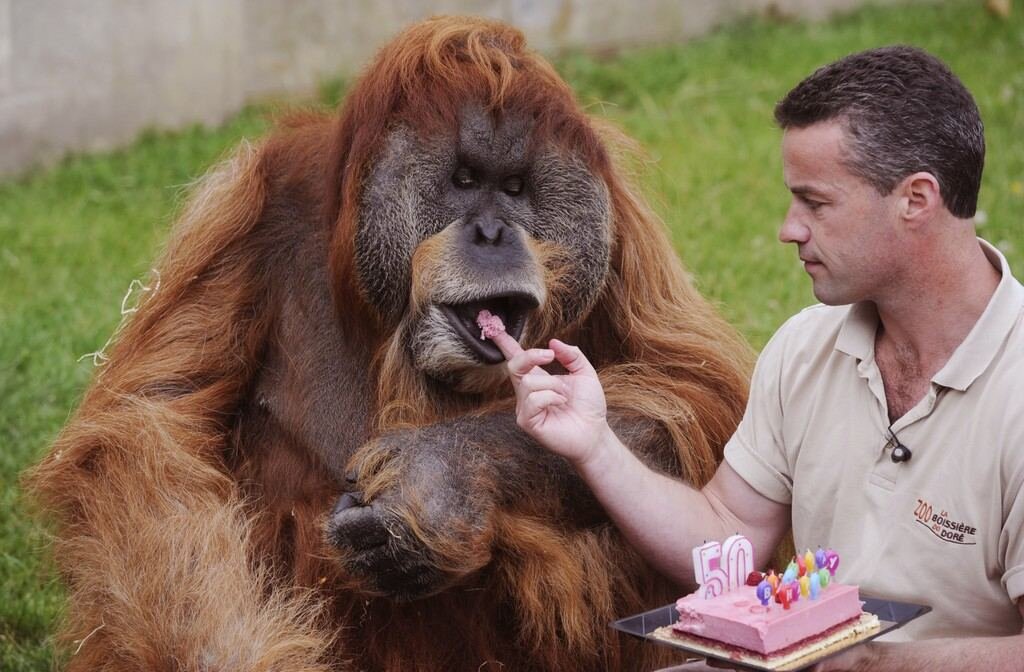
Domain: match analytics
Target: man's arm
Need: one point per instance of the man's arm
(992, 654)
(664, 518)
(661, 517)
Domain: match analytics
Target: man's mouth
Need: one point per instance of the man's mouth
(513, 310)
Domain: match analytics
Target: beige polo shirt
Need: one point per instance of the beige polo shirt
(945, 527)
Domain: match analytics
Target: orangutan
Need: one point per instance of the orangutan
(301, 456)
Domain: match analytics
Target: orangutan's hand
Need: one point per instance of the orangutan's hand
(410, 528)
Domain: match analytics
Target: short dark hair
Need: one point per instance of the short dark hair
(903, 111)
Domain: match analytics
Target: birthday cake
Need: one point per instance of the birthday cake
(771, 620)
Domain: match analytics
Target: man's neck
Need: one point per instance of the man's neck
(925, 319)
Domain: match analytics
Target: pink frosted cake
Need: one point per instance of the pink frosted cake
(770, 620)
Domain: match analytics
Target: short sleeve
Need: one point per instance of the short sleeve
(756, 450)
(1011, 539)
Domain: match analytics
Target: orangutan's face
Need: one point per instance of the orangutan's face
(453, 225)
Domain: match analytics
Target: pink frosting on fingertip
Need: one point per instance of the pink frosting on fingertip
(490, 324)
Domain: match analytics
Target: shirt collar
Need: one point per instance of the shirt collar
(857, 334)
(974, 355)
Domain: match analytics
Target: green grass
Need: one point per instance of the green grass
(73, 238)
(704, 113)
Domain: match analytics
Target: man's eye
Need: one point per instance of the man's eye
(463, 178)
(513, 186)
(812, 205)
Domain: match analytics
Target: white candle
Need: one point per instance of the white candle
(706, 569)
(738, 560)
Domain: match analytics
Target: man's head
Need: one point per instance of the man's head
(904, 112)
(875, 145)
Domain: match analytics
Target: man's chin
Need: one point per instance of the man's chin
(831, 297)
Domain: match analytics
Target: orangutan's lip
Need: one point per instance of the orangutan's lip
(513, 309)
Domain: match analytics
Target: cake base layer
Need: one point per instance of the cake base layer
(793, 657)
(739, 619)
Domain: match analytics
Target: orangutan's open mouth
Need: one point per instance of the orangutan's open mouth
(513, 310)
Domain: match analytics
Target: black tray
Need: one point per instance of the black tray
(891, 615)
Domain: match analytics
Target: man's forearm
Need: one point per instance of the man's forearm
(992, 654)
(661, 517)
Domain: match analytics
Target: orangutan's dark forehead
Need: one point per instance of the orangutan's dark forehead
(497, 143)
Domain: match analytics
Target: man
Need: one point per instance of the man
(886, 423)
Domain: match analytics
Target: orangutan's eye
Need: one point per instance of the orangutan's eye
(463, 178)
(513, 186)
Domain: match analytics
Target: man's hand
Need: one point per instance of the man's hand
(993, 654)
(566, 414)
(864, 657)
(857, 659)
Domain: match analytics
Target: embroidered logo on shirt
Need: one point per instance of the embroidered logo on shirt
(943, 526)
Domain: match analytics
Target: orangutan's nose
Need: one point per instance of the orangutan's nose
(347, 501)
(488, 230)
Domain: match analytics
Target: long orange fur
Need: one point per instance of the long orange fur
(171, 559)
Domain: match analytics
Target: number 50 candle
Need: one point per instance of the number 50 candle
(719, 568)
(706, 560)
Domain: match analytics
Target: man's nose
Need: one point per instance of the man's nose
(792, 230)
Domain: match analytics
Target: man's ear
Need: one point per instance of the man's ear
(920, 199)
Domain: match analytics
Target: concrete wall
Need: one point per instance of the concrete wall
(77, 75)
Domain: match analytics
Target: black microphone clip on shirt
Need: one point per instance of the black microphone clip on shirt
(900, 453)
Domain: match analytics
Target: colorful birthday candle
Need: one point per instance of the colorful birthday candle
(823, 578)
(819, 558)
(764, 592)
(810, 562)
(831, 562)
(801, 566)
(805, 586)
(815, 585)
